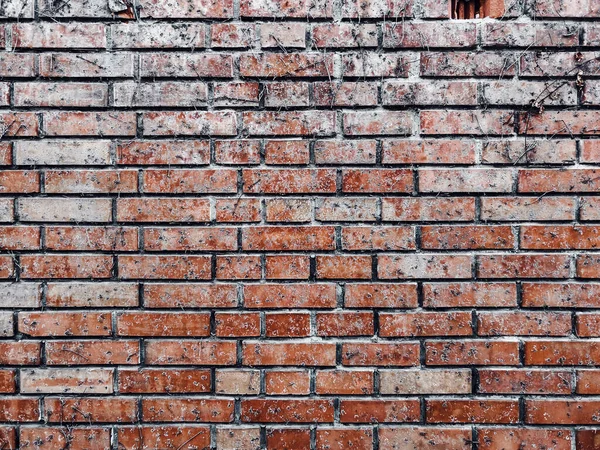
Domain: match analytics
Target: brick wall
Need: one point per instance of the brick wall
(309, 224)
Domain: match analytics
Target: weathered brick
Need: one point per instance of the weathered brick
(157, 35)
(54, 209)
(79, 95)
(189, 65)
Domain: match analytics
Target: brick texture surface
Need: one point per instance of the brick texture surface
(307, 224)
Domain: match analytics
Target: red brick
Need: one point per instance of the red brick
(292, 267)
(151, 267)
(343, 438)
(523, 266)
(41, 324)
(561, 412)
(95, 352)
(524, 381)
(133, 381)
(19, 181)
(548, 180)
(237, 152)
(343, 267)
(561, 353)
(455, 438)
(528, 323)
(7, 381)
(381, 295)
(376, 411)
(556, 123)
(505, 438)
(18, 409)
(154, 324)
(439, 151)
(288, 238)
(287, 411)
(587, 439)
(237, 210)
(288, 438)
(156, 409)
(163, 209)
(187, 9)
(425, 324)
(232, 35)
(467, 237)
(380, 354)
(288, 354)
(236, 94)
(287, 324)
(136, 438)
(290, 296)
(272, 65)
(154, 35)
(236, 267)
(66, 266)
(378, 238)
(90, 410)
(587, 382)
(169, 295)
(190, 352)
(446, 122)
(588, 266)
(472, 352)
(345, 323)
(235, 324)
(286, 152)
(190, 238)
(472, 411)
(289, 181)
(427, 209)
